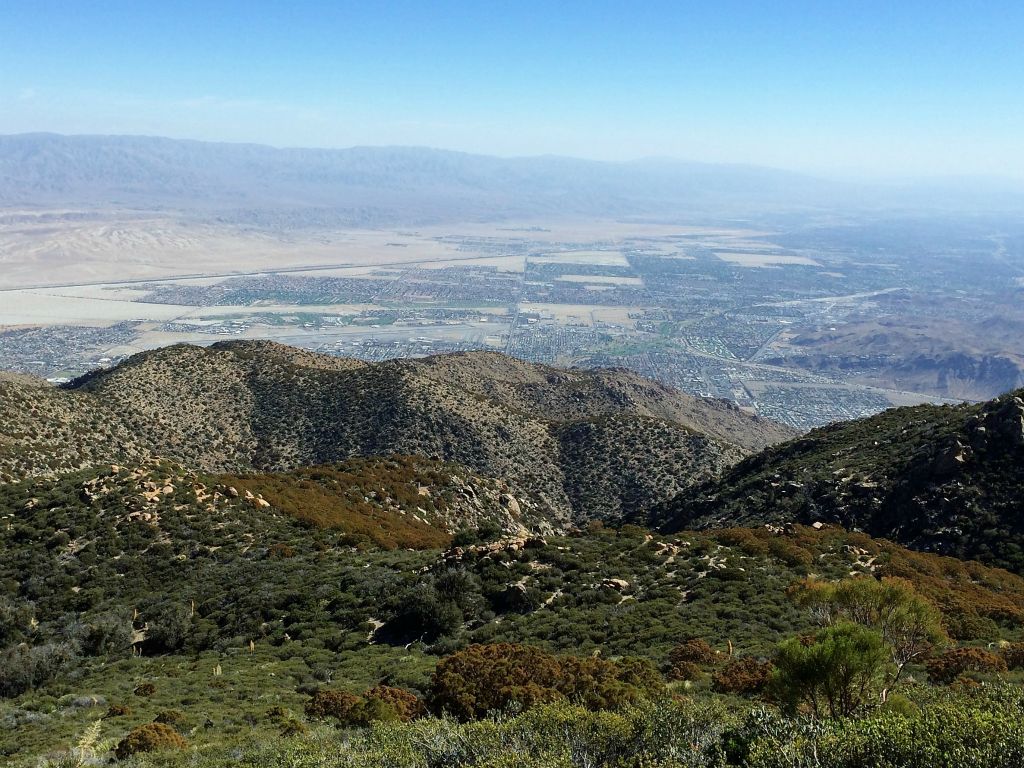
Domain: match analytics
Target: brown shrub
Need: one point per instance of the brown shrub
(789, 553)
(277, 714)
(694, 651)
(483, 678)
(685, 670)
(405, 703)
(968, 592)
(744, 676)
(281, 550)
(144, 689)
(118, 710)
(948, 666)
(1013, 656)
(336, 704)
(293, 727)
(334, 496)
(150, 737)
(746, 539)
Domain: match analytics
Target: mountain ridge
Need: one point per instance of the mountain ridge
(263, 407)
(946, 479)
(378, 186)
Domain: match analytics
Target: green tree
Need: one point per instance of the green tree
(168, 624)
(835, 673)
(424, 614)
(910, 625)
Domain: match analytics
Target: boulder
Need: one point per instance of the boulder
(509, 502)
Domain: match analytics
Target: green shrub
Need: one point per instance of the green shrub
(835, 673)
(897, 704)
(105, 633)
(15, 620)
(24, 668)
(980, 733)
(367, 711)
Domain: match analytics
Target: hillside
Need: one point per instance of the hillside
(918, 348)
(583, 444)
(151, 592)
(159, 541)
(936, 478)
(250, 549)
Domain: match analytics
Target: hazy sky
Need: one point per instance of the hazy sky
(860, 86)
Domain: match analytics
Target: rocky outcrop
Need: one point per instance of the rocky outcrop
(1001, 420)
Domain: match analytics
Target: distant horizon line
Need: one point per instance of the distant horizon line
(833, 176)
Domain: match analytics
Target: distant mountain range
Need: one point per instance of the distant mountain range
(411, 185)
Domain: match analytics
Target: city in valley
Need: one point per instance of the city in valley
(804, 323)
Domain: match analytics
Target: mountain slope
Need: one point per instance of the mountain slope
(938, 478)
(129, 597)
(244, 406)
(177, 559)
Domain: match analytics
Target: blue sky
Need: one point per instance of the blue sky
(846, 88)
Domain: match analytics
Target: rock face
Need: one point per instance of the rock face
(619, 585)
(585, 443)
(1001, 421)
(509, 502)
(937, 478)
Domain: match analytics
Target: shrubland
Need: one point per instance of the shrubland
(251, 623)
